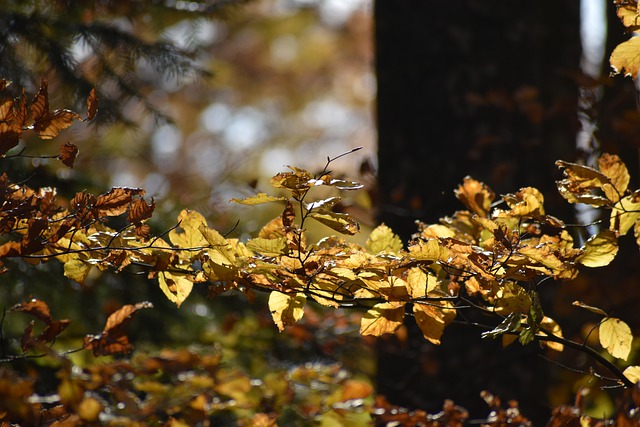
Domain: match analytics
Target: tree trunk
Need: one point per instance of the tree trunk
(481, 88)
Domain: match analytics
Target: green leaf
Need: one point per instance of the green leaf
(616, 337)
(269, 247)
(382, 239)
(342, 223)
(259, 199)
(599, 250)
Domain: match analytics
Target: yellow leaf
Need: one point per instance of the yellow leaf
(592, 309)
(614, 169)
(175, 286)
(420, 283)
(431, 250)
(525, 203)
(512, 298)
(633, 373)
(432, 320)
(625, 214)
(286, 309)
(190, 236)
(77, 270)
(476, 196)
(626, 58)
(599, 250)
(382, 318)
(550, 325)
(259, 199)
(628, 14)
(269, 247)
(382, 239)
(342, 223)
(615, 336)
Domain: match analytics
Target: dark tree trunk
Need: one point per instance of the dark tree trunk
(481, 88)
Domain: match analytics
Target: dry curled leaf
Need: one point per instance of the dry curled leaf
(68, 154)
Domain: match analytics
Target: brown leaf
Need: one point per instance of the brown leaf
(37, 308)
(68, 154)
(116, 201)
(4, 84)
(92, 104)
(113, 339)
(48, 124)
(140, 210)
(10, 128)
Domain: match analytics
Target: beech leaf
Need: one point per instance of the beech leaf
(259, 199)
(382, 318)
(599, 250)
(625, 214)
(592, 309)
(92, 104)
(625, 58)
(269, 247)
(342, 223)
(432, 320)
(476, 196)
(382, 239)
(116, 201)
(286, 309)
(113, 339)
(616, 337)
(175, 286)
(614, 169)
(633, 373)
(76, 269)
(190, 236)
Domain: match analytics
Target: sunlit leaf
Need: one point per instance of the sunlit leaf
(140, 210)
(614, 169)
(268, 247)
(420, 283)
(633, 373)
(513, 298)
(382, 239)
(552, 326)
(476, 196)
(286, 309)
(342, 223)
(190, 236)
(382, 318)
(579, 183)
(116, 201)
(625, 214)
(36, 308)
(528, 202)
(259, 199)
(628, 14)
(175, 286)
(68, 154)
(432, 319)
(76, 269)
(600, 249)
(113, 339)
(299, 179)
(430, 250)
(326, 204)
(625, 58)
(616, 337)
(592, 309)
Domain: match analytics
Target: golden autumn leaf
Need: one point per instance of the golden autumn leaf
(599, 250)
(259, 199)
(382, 318)
(175, 286)
(552, 326)
(430, 250)
(342, 223)
(433, 319)
(76, 269)
(625, 214)
(614, 169)
(628, 14)
(286, 309)
(615, 337)
(592, 309)
(190, 236)
(382, 239)
(633, 373)
(513, 298)
(269, 247)
(475, 195)
(625, 58)
(10, 127)
(579, 182)
(420, 283)
(527, 202)
(46, 123)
